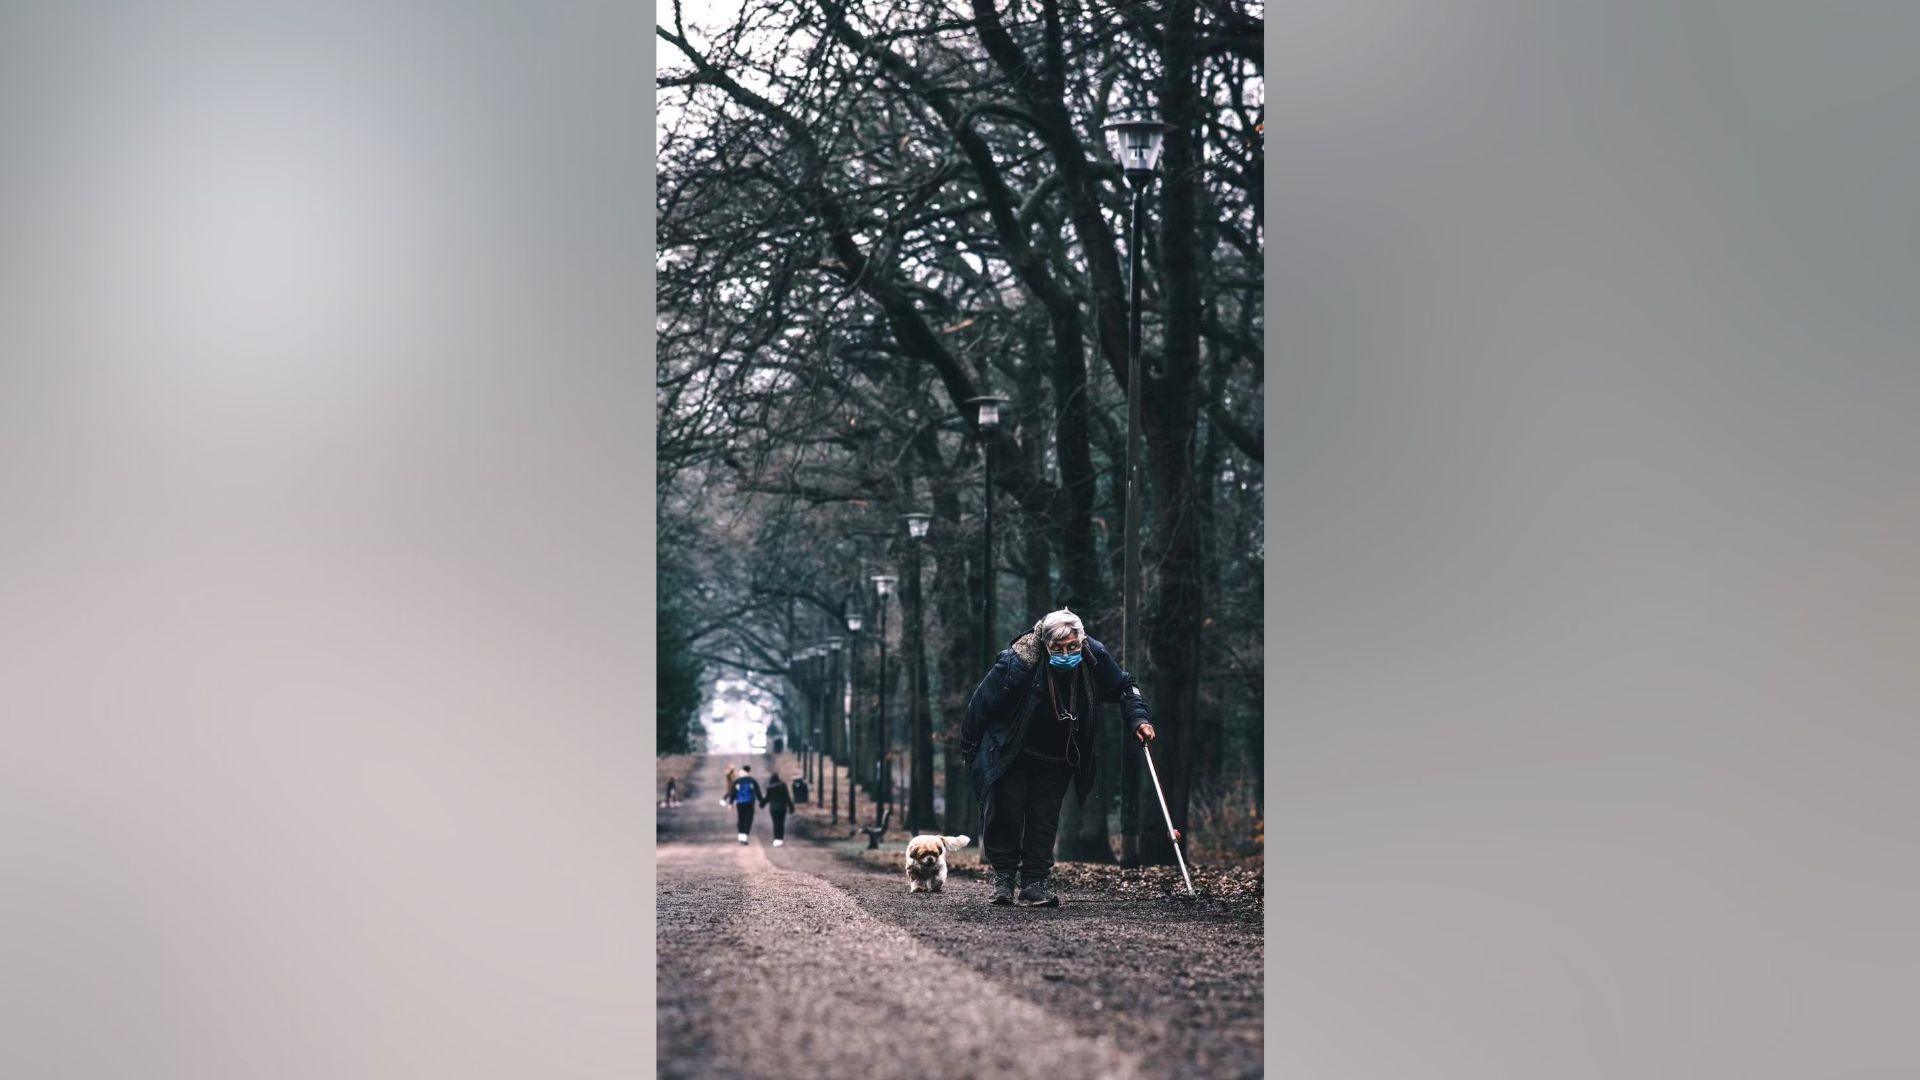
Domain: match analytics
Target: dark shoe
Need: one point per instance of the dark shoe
(1038, 893)
(1002, 889)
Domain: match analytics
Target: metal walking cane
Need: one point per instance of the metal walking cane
(1172, 833)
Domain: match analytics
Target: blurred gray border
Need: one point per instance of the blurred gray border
(1275, 729)
(1593, 596)
(325, 539)
(649, 204)
(1270, 683)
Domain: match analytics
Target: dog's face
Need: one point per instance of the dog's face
(925, 852)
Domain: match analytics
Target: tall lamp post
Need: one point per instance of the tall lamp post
(811, 655)
(828, 665)
(804, 743)
(987, 416)
(854, 622)
(829, 701)
(920, 788)
(798, 668)
(816, 656)
(882, 588)
(822, 754)
(823, 741)
(1137, 146)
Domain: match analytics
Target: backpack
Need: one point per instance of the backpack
(743, 790)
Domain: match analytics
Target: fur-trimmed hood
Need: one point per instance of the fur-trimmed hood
(1027, 647)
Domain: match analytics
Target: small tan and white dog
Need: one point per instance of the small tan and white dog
(927, 860)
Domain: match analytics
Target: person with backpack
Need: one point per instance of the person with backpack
(746, 793)
(779, 803)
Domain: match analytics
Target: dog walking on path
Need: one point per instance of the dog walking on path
(927, 861)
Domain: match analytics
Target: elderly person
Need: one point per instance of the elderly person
(1028, 732)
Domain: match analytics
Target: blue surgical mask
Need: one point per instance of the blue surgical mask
(1069, 661)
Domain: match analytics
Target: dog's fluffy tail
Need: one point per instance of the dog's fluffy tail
(955, 843)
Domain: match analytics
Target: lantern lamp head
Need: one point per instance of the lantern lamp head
(883, 585)
(917, 524)
(1136, 144)
(988, 406)
(854, 620)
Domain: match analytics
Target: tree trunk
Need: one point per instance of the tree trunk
(1169, 412)
(1130, 802)
(1173, 633)
(1036, 555)
(1035, 579)
(920, 717)
(836, 743)
(1124, 765)
(1209, 763)
(1084, 831)
(954, 580)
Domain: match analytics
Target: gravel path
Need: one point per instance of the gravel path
(801, 961)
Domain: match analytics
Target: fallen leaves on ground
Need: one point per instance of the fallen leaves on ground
(1235, 888)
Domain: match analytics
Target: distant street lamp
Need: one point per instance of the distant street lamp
(797, 672)
(817, 699)
(854, 622)
(826, 717)
(882, 588)
(987, 416)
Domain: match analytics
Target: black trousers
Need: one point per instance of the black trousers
(1023, 817)
(746, 817)
(779, 823)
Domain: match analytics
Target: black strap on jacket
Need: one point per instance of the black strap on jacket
(1067, 717)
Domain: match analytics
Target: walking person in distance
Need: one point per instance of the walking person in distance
(779, 803)
(746, 793)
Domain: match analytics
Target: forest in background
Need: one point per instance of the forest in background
(870, 214)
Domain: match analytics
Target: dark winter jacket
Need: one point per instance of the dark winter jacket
(778, 798)
(1001, 709)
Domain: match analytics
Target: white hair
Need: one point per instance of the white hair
(1054, 625)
